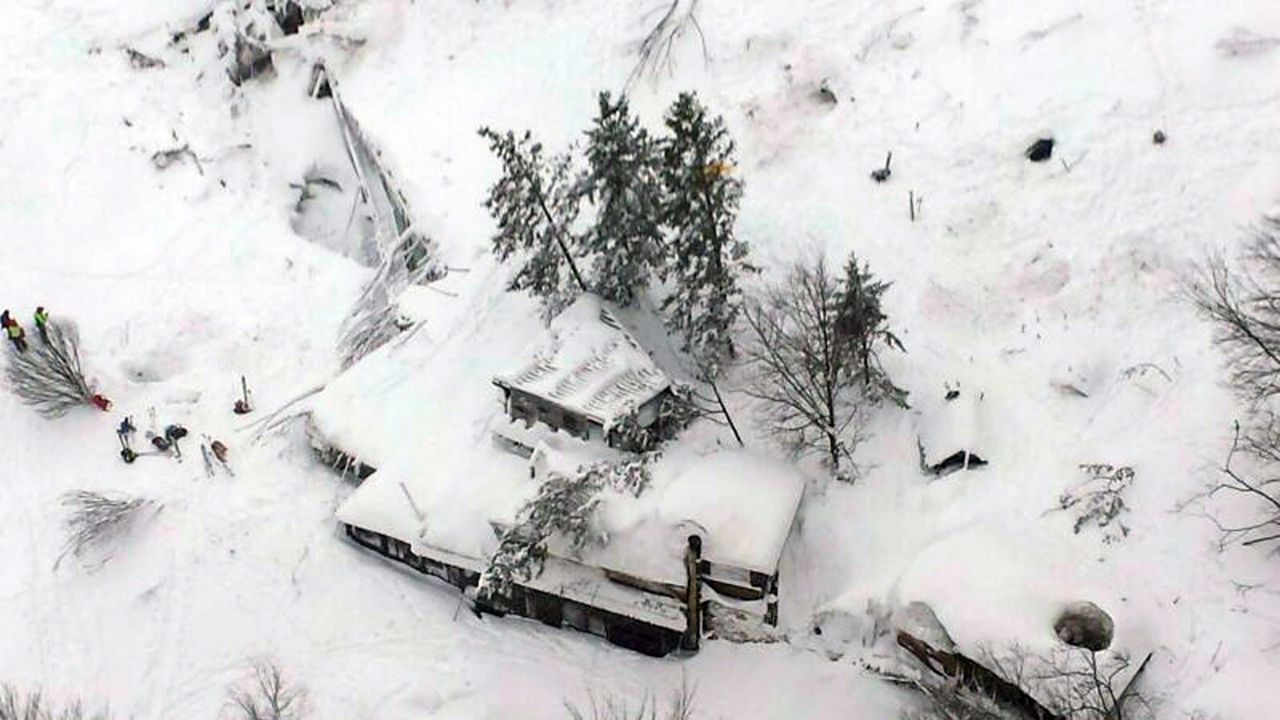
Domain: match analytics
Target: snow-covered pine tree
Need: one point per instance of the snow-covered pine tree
(699, 207)
(48, 376)
(563, 508)
(534, 204)
(863, 326)
(623, 183)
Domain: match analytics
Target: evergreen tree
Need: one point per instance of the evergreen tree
(534, 204)
(862, 327)
(623, 183)
(564, 508)
(699, 207)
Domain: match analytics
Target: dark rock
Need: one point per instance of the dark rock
(1158, 137)
(1040, 150)
(1085, 625)
(882, 174)
(825, 96)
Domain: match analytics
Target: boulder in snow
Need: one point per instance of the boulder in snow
(1040, 150)
(1085, 625)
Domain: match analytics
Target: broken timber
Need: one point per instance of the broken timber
(971, 675)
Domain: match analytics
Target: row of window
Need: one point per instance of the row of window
(525, 407)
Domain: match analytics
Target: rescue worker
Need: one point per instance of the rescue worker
(126, 431)
(172, 434)
(42, 324)
(16, 335)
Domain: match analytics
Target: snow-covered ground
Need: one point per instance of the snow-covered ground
(1015, 279)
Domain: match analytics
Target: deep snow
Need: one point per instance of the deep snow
(1016, 279)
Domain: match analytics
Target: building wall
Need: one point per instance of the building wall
(527, 602)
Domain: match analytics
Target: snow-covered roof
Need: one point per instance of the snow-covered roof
(742, 504)
(413, 410)
(588, 363)
(383, 504)
(745, 502)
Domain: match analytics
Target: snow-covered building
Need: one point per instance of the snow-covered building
(698, 545)
(950, 430)
(588, 374)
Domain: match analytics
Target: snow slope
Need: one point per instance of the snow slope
(1014, 277)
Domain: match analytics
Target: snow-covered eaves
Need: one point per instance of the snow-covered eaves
(383, 504)
(588, 364)
(590, 586)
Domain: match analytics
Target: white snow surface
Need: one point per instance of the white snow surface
(1026, 275)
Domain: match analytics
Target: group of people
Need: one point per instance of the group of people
(162, 443)
(168, 444)
(18, 336)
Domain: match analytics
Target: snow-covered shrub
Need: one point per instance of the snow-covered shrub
(244, 31)
(267, 695)
(1098, 501)
(564, 507)
(613, 707)
(952, 702)
(17, 705)
(48, 376)
(96, 519)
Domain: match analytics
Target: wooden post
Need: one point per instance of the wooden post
(887, 159)
(911, 203)
(692, 594)
(244, 390)
(771, 602)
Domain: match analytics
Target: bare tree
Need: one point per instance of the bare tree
(1243, 303)
(17, 705)
(267, 695)
(1073, 683)
(1265, 527)
(655, 48)
(95, 519)
(803, 371)
(48, 376)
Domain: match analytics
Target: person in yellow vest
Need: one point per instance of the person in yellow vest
(15, 333)
(42, 324)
